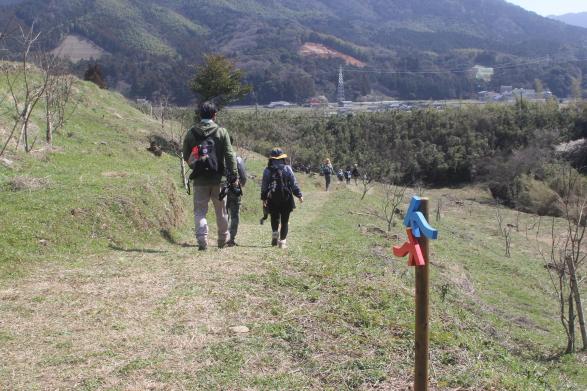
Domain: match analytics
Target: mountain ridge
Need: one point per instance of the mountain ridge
(578, 19)
(264, 37)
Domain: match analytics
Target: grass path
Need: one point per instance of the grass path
(137, 318)
(333, 312)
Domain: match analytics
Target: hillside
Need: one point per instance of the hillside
(97, 187)
(578, 19)
(101, 282)
(153, 43)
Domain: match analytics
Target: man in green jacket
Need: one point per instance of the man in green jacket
(208, 151)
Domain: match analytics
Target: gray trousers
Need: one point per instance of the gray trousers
(202, 197)
(233, 204)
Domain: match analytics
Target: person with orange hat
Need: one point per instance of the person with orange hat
(278, 189)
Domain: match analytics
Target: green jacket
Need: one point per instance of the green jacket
(224, 152)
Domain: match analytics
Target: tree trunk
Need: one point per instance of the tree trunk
(49, 134)
(25, 127)
(25, 134)
(24, 130)
(20, 138)
(390, 220)
(579, 304)
(571, 327)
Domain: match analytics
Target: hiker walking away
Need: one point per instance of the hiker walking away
(278, 189)
(348, 174)
(340, 175)
(356, 174)
(327, 170)
(234, 196)
(208, 151)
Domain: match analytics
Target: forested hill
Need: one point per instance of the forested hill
(151, 42)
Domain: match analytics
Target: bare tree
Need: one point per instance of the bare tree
(566, 256)
(438, 209)
(531, 226)
(367, 183)
(393, 197)
(57, 101)
(244, 146)
(507, 238)
(26, 87)
(573, 197)
(557, 266)
(163, 111)
(504, 230)
(174, 128)
(498, 218)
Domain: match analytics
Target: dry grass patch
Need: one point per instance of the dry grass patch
(115, 174)
(27, 183)
(131, 320)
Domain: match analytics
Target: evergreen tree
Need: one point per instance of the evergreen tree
(219, 80)
(94, 74)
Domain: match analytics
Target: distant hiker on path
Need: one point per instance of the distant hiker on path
(327, 170)
(277, 192)
(234, 200)
(208, 152)
(356, 173)
(340, 175)
(348, 174)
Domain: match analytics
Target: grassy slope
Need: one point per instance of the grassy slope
(103, 187)
(335, 311)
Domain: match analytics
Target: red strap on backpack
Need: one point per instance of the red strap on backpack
(196, 152)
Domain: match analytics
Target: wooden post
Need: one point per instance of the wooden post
(422, 316)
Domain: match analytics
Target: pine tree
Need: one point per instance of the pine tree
(219, 80)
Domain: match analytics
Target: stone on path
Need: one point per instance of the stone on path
(240, 329)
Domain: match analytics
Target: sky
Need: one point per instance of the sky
(552, 7)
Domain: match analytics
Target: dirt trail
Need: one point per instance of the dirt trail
(122, 320)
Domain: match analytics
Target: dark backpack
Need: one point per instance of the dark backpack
(279, 191)
(203, 159)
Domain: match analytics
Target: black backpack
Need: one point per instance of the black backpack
(279, 191)
(203, 160)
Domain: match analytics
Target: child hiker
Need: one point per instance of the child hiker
(277, 192)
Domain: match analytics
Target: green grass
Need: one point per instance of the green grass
(105, 302)
(103, 188)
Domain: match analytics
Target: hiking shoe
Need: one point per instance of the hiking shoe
(231, 243)
(262, 221)
(275, 238)
(202, 247)
(283, 244)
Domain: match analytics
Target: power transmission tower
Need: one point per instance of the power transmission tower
(340, 92)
